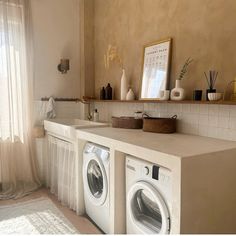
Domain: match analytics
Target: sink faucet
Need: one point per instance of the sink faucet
(89, 115)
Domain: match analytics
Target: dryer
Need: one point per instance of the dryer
(148, 197)
(96, 168)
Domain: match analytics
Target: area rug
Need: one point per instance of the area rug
(39, 216)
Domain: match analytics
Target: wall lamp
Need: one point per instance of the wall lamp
(64, 66)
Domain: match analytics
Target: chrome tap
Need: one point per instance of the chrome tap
(89, 115)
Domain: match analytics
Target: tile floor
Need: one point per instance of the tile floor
(82, 224)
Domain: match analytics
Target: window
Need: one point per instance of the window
(12, 72)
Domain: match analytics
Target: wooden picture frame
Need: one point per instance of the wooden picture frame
(156, 69)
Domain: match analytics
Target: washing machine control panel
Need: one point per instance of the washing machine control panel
(162, 175)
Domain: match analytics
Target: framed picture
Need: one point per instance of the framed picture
(156, 68)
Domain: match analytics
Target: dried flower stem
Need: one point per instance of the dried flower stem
(112, 56)
(184, 69)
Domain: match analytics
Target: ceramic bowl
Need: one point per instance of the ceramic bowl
(214, 96)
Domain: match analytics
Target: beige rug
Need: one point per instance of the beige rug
(39, 216)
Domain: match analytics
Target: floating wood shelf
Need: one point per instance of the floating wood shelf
(62, 99)
(171, 102)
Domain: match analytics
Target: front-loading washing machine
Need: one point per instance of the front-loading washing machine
(148, 197)
(96, 170)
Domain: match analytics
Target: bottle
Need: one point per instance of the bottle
(102, 93)
(123, 86)
(108, 92)
(95, 115)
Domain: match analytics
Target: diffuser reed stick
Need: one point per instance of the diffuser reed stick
(211, 79)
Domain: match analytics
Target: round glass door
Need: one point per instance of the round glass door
(95, 179)
(146, 210)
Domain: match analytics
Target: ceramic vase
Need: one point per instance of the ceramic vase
(130, 95)
(178, 93)
(123, 86)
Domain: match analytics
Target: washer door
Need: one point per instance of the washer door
(147, 210)
(95, 179)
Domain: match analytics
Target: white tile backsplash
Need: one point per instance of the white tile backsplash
(216, 121)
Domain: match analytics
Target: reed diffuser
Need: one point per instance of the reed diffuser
(211, 81)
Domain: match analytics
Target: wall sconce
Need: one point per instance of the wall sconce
(64, 66)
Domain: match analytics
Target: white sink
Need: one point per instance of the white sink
(76, 122)
(66, 127)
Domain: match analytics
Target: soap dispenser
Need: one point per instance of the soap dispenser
(95, 115)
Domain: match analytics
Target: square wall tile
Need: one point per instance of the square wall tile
(223, 122)
(186, 108)
(213, 121)
(213, 110)
(204, 109)
(232, 122)
(203, 119)
(203, 130)
(224, 110)
(232, 111)
(163, 107)
(194, 108)
(190, 118)
(223, 133)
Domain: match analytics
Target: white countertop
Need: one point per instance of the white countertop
(179, 145)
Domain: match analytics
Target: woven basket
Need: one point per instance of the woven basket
(127, 122)
(160, 125)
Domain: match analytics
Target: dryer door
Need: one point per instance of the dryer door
(95, 179)
(147, 210)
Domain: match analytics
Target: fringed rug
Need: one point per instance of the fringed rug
(39, 216)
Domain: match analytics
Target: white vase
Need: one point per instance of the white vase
(177, 93)
(130, 95)
(123, 86)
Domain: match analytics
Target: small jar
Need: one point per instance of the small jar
(138, 115)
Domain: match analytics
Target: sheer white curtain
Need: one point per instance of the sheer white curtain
(61, 176)
(18, 172)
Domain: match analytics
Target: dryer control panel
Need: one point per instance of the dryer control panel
(149, 170)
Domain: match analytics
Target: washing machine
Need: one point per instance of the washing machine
(148, 197)
(96, 170)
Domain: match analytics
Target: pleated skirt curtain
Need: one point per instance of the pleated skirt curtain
(61, 171)
(18, 169)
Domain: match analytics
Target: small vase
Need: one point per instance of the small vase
(178, 93)
(130, 95)
(123, 86)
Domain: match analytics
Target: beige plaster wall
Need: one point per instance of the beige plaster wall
(56, 36)
(202, 29)
(86, 9)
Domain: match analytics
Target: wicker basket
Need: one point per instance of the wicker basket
(127, 122)
(160, 125)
